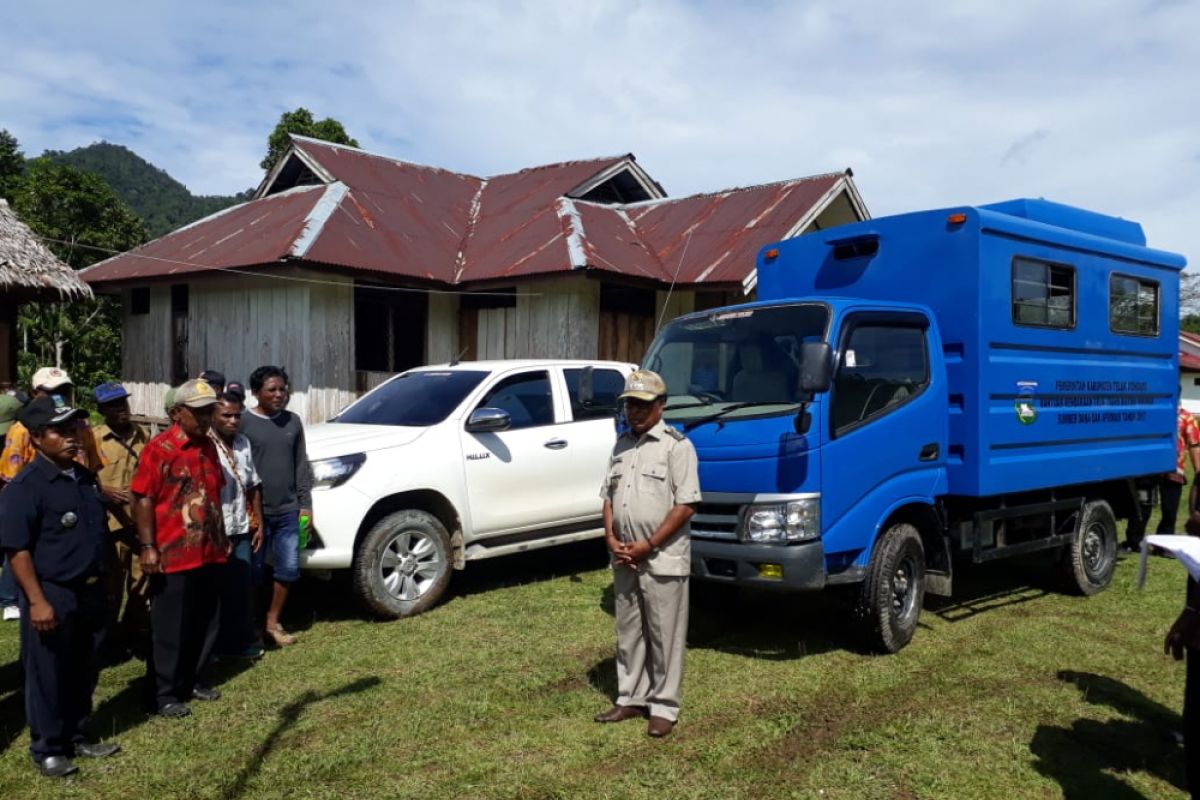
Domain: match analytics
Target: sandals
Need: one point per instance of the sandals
(280, 637)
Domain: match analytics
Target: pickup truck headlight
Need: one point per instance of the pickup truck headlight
(792, 521)
(330, 472)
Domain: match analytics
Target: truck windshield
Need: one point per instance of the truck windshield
(735, 363)
(416, 399)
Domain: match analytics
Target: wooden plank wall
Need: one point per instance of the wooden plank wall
(441, 334)
(146, 352)
(551, 319)
(330, 346)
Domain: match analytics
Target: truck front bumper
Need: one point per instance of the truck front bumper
(803, 565)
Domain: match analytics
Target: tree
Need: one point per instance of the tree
(301, 122)
(82, 221)
(12, 164)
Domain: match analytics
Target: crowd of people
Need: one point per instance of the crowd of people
(118, 543)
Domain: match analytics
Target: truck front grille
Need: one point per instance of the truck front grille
(716, 521)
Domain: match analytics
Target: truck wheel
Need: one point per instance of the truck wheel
(403, 564)
(890, 599)
(1089, 560)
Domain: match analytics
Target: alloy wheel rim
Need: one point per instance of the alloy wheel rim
(409, 566)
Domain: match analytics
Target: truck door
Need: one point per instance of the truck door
(510, 474)
(590, 436)
(887, 425)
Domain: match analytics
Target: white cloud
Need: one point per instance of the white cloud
(930, 103)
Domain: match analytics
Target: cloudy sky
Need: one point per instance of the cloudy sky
(931, 103)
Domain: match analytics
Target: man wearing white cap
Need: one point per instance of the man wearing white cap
(181, 537)
(649, 494)
(54, 383)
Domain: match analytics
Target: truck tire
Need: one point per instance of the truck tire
(402, 566)
(890, 598)
(1090, 558)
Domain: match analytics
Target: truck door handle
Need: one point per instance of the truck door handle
(930, 452)
(556, 444)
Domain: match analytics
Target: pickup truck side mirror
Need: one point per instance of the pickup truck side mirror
(488, 420)
(816, 369)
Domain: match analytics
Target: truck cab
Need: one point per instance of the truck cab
(970, 382)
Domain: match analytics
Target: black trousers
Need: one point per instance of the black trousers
(237, 629)
(1191, 723)
(185, 608)
(61, 668)
(1171, 492)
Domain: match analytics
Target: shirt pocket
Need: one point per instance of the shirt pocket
(652, 480)
(612, 480)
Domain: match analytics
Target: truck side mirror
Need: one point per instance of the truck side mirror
(816, 369)
(488, 420)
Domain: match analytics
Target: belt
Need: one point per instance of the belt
(77, 583)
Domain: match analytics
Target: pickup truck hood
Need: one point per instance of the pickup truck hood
(340, 439)
(763, 455)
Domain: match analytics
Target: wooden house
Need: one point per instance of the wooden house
(347, 266)
(28, 271)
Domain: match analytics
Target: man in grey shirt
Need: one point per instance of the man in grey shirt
(281, 460)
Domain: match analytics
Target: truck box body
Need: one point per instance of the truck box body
(1041, 390)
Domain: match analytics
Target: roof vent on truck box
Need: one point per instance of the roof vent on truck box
(1075, 219)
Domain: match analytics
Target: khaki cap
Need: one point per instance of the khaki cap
(644, 385)
(195, 394)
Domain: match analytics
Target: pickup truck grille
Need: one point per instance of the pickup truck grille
(716, 521)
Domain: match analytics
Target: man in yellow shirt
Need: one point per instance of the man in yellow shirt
(56, 384)
(121, 441)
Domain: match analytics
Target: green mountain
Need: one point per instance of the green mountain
(161, 201)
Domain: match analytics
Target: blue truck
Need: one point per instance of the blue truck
(912, 391)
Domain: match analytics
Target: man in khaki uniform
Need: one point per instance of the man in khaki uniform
(648, 496)
(121, 441)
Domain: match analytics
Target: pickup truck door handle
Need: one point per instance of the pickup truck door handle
(556, 444)
(930, 452)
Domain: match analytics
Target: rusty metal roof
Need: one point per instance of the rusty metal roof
(401, 220)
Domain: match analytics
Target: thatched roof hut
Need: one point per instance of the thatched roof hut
(28, 268)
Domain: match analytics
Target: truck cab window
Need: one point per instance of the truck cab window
(1043, 294)
(526, 398)
(882, 367)
(1133, 305)
(606, 385)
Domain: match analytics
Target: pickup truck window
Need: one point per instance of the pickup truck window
(1133, 305)
(744, 361)
(1043, 294)
(526, 397)
(882, 366)
(418, 399)
(607, 384)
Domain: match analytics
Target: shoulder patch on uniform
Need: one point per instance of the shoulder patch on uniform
(675, 433)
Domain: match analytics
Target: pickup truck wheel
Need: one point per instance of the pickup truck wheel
(890, 599)
(1089, 560)
(403, 564)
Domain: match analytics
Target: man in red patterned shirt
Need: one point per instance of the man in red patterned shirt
(181, 534)
(1187, 446)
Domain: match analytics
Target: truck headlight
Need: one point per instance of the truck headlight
(793, 521)
(330, 472)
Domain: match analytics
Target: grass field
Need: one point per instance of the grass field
(1012, 690)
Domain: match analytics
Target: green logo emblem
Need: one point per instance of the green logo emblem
(1026, 413)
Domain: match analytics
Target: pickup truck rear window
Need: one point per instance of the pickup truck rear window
(416, 399)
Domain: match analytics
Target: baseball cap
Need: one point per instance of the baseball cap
(107, 392)
(169, 400)
(214, 379)
(50, 378)
(644, 385)
(44, 411)
(195, 394)
(9, 406)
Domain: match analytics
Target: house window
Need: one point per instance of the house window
(139, 300)
(1043, 294)
(389, 329)
(1132, 305)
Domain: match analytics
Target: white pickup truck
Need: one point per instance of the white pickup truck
(447, 464)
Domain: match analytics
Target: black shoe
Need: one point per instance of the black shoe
(205, 693)
(97, 749)
(174, 710)
(56, 766)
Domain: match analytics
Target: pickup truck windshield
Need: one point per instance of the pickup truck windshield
(735, 363)
(416, 399)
